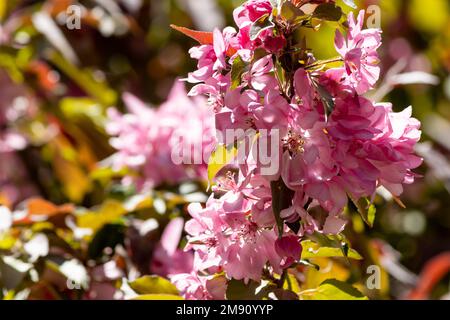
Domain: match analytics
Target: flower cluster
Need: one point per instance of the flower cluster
(334, 144)
(149, 140)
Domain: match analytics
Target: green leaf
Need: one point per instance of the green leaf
(3, 9)
(8, 63)
(328, 11)
(98, 90)
(238, 290)
(333, 289)
(222, 156)
(109, 212)
(326, 98)
(291, 13)
(280, 72)
(105, 174)
(237, 69)
(158, 297)
(350, 3)
(109, 236)
(291, 283)
(371, 213)
(366, 209)
(281, 199)
(314, 250)
(153, 285)
(78, 107)
(260, 25)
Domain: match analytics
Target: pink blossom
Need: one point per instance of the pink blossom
(334, 80)
(361, 147)
(249, 13)
(380, 150)
(307, 158)
(148, 140)
(359, 51)
(225, 234)
(289, 248)
(212, 59)
(260, 77)
(195, 287)
(167, 258)
(333, 145)
(205, 234)
(250, 245)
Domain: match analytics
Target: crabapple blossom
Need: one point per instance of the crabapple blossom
(167, 258)
(334, 145)
(249, 13)
(194, 287)
(359, 51)
(146, 138)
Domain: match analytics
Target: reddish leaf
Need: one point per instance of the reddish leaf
(201, 37)
(43, 74)
(39, 209)
(433, 272)
(42, 207)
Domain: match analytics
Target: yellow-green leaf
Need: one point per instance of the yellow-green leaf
(314, 250)
(291, 283)
(333, 289)
(98, 90)
(7, 242)
(366, 209)
(222, 156)
(153, 285)
(74, 107)
(3, 8)
(109, 212)
(237, 71)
